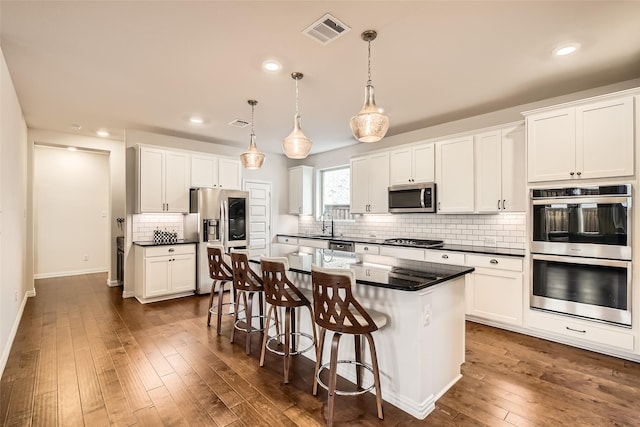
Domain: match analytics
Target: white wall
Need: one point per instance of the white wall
(71, 206)
(14, 286)
(116, 150)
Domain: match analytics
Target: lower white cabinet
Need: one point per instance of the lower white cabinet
(164, 272)
(495, 290)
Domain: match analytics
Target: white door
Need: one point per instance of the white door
(259, 217)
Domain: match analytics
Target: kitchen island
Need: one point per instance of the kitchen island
(421, 348)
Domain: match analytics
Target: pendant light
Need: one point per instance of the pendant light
(296, 145)
(252, 158)
(370, 124)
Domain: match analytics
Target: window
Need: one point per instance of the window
(334, 193)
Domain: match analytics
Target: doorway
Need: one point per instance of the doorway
(259, 217)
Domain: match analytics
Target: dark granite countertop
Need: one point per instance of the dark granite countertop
(398, 274)
(152, 243)
(487, 250)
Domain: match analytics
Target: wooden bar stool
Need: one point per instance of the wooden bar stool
(337, 310)
(246, 284)
(221, 274)
(279, 292)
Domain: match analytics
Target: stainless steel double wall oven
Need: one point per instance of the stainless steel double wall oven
(581, 252)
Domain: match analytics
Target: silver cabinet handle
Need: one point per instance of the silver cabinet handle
(503, 205)
(493, 261)
(571, 173)
(445, 256)
(366, 248)
(576, 330)
(498, 204)
(579, 173)
(438, 205)
(171, 250)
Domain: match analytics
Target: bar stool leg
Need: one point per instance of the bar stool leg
(220, 298)
(333, 374)
(236, 306)
(249, 318)
(266, 336)
(376, 374)
(287, 343)
(320, 346)
(357, 339)
(210, 303)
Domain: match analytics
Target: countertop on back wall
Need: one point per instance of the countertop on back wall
(152, 243)
(487, 250)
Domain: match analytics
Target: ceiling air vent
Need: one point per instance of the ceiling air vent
(326, 29)
(239, 123)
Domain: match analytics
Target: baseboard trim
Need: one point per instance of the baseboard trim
(112, 283)
(128, 294)
(70, 273)
(14, 330)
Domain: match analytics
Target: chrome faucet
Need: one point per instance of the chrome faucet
(325, 225)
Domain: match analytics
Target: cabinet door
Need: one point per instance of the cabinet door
(204, 171)
(295, 191)
(488, 172)
(424, 163)
(400, 166)
(150, 180)
(514, 186)
(551, 145)
(230, 174)
(604, 139)
(157, 280)
(379, 183)
(495, 295)
(183, 273)
(454, 168)
(177, 180)
(359, 185)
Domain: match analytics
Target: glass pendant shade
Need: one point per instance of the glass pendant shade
(369, 125)
(296, 145)
(252, 158)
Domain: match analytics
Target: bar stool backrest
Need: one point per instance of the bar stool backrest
(218, 268)
(334, 305)
(244, 278)
(278, 289)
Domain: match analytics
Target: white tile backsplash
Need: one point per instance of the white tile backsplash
(145, 224)
(508, 229)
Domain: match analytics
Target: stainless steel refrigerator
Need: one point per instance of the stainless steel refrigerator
(216, 217)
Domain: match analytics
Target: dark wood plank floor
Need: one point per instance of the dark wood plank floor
(85, 356)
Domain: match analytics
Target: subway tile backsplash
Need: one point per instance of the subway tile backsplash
(145, 224)
(500, 230)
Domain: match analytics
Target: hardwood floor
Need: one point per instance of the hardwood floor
(85, 356)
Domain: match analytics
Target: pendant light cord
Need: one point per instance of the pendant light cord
(297, 110)
(252, 130)
(369, 62)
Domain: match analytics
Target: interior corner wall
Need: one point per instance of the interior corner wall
(15, 283)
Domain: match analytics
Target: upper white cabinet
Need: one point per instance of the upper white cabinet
(455, 175)
(500, 170)
(587, 140)
(412, 164)
(162, 180)
(370, 184)
(301, 190)
(215, 172)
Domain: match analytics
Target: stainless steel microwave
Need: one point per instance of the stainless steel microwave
(412, 198)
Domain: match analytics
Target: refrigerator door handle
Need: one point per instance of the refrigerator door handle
(223, 225)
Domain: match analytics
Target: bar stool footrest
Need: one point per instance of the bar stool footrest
(214, 309)
(293, 353)
(244, 319)
(343, 392)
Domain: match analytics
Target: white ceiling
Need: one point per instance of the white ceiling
(149, 65)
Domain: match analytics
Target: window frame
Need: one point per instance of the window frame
(320, 193)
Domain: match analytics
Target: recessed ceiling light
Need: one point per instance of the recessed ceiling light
(72, 149)
(566, 49)
(271, 65)
(76, 126)
(196, 120)
(102, 133)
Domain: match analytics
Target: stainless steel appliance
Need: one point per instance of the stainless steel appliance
(412, 198)
(581, 252)
(419, 243)
(217, 217)
(342, 246)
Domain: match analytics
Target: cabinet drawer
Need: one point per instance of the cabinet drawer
(404, 253)
(488, 261)
(444, 257)
(165, 250)
(288, 240)
(367, 249)
(314, 243)
(582, 330)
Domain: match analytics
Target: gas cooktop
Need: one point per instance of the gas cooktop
(419, 243)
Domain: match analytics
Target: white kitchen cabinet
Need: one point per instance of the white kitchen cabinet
(163, 180)
(495, 289)
(587, 140)
(455, 175)
(412, 164)
(444, 257)
(164, 272)
(370, 184)
(229, 174)
(301, 190)
(415, 254)
(361, 248)
(500, 170)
